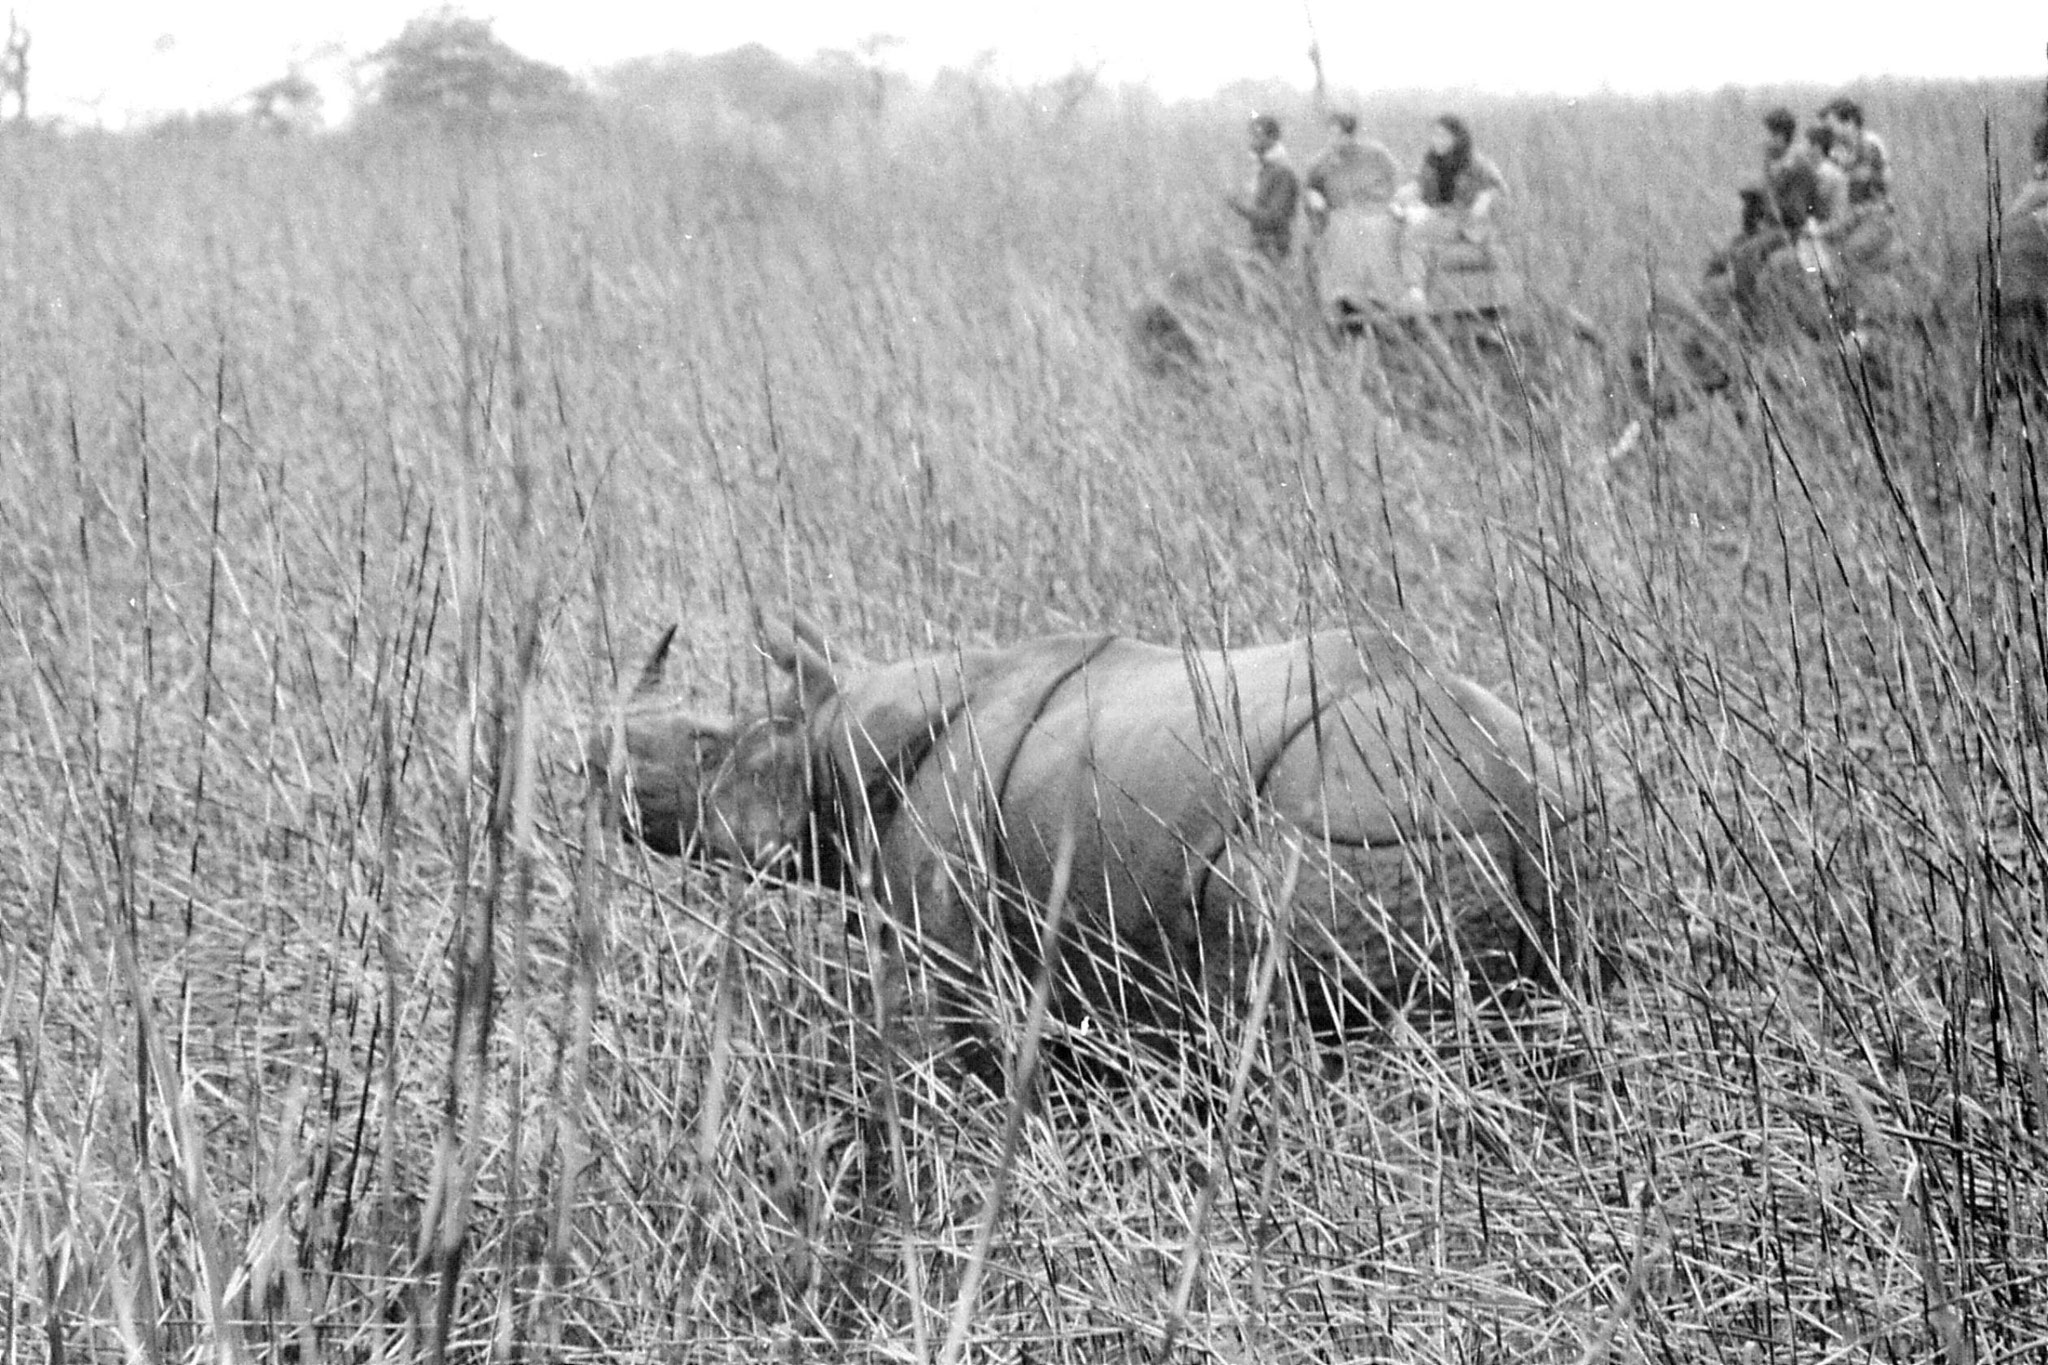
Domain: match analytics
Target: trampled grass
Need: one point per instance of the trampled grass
(345, 479)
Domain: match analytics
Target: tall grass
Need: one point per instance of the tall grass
(344, 480)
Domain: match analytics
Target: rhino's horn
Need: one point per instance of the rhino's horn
(657, 662)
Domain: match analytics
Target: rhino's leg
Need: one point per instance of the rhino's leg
(1143, 972)
(1548, 869)
(933, 896)
(974, 950)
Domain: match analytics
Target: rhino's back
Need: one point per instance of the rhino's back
(1146, 762)
(1416, 755)
(1149, 752)
(1421, 801)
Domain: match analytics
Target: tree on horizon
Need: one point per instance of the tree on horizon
(449, 68)
(14, 67)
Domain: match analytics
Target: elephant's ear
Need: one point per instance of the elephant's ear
(802, 652)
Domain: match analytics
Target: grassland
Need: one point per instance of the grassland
(341, 480)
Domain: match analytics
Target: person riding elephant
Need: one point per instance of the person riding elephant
(1352, 173)
(1449, 208)
(1349, 189)
(1861, 153)
(1791, 182)
(1819, 238)
(2023, 269)
(1269, 203)
(1862, 234)
(1794, 193)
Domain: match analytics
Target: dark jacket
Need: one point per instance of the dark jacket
(1270, 209)
(1473, 179)
(1793, 184)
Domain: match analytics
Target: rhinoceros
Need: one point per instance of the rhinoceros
(1409, 816)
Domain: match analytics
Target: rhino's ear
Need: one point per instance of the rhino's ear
(805, 629)
(816, 679)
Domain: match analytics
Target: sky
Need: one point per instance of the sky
(123, 61)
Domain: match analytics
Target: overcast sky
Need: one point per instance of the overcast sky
(128, 58)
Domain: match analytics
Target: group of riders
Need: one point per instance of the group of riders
(1822, 207)
(1820, 211)
(1444, 210)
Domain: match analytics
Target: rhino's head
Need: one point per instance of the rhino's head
(736, 791)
